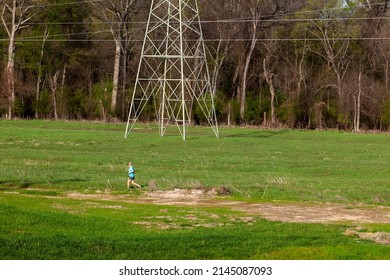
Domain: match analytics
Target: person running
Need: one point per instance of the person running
(131, 177)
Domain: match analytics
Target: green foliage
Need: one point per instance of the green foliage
(102, 94)
(385, 117)
(235, 105)
(344, 121)
(221, 104)
(72, 22)
(287, 114)
(3, 108)
(43, 105)
(200, 108)
(253, 114)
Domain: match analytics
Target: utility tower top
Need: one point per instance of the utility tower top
(173, 73)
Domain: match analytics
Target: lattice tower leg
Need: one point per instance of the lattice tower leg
(172, 72)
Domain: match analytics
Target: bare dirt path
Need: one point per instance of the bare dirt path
(355, 217)
(286, 212)
(289, 212)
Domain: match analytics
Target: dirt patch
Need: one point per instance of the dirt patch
(102, 206)
(104, 196)
(178, 197)
(353, 215)
(285, 212)
(319, 213)
(323, 213)
(377, 237)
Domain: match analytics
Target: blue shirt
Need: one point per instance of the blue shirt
(131, 172)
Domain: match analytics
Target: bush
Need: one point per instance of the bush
(385, 114)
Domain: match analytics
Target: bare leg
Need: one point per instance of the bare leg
(134, 183)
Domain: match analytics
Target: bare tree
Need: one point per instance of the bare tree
(384, 54)
(256, 16)
(15, 16)
(357, 103)
(39, 66)
(376, 11)
(380, 50)
(53, 86)
(268, 68)
(224, 32)
(117, 14)
(333, 36)
(259, 12)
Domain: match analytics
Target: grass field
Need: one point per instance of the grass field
(63, 192)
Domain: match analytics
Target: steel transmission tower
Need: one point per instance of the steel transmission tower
(173, 73)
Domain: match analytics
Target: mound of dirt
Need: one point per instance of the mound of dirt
(378, 237)
(177, 194)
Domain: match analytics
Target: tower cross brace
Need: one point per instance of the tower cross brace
(172, 72)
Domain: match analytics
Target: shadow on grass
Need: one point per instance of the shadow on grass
(61, 181)
(257, 134)
(8, 185)
(24, 184)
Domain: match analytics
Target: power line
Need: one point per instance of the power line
(64, 4)
(346, 8)
(293, 13)
(222, 21)
(89, 34)
(235, 20)
(21, 40)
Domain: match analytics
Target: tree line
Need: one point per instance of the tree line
(276, 63)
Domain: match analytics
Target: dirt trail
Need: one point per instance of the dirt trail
(288, 212)
(285, 212)
(354, 216)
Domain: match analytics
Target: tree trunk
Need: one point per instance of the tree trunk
(39, 78)
(115, 81)
(358, 104)
(300, 66)
(269, 78)
(245, 73)
(63, 79)
(236, 82)
(19, 17)
(229, 115)
(10, 72)
(387, 77)
(10, 78)
(124, 80)
(217, 63)
(103, 111)
(53, 86)
(272, 91)
(218, 60)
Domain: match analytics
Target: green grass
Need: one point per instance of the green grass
(260, 164)
(47, 228)
(42, 161)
